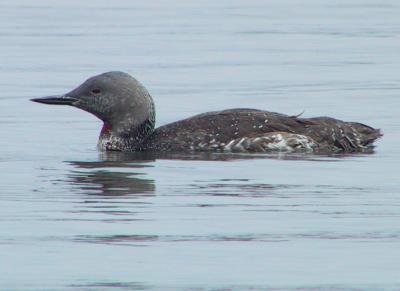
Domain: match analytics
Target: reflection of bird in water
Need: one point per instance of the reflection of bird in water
(111, 178)
(128, 113)
(118, 173)
(141, 157)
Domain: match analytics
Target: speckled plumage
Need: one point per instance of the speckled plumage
(127, 110)
(260, 131)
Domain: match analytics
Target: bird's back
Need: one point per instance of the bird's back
(258, 130)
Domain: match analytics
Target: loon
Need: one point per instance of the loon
(128, 114)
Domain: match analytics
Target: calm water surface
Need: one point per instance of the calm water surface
(74, 218)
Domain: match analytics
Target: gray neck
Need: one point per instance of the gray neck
(128, 133)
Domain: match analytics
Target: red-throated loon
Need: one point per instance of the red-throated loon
(128, 113)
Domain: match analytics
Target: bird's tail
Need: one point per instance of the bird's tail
(368, 134)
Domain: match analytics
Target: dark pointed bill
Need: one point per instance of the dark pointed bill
(56, 100)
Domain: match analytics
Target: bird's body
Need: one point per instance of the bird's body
(251, 130)
(127, 110)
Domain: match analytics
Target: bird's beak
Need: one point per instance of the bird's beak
(56, 100)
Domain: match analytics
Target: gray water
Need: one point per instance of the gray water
(74, 218)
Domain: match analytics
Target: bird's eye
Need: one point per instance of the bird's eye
(96, 91)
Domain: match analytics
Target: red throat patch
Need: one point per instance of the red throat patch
(106, 130)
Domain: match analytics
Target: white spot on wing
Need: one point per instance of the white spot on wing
(272, 142)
